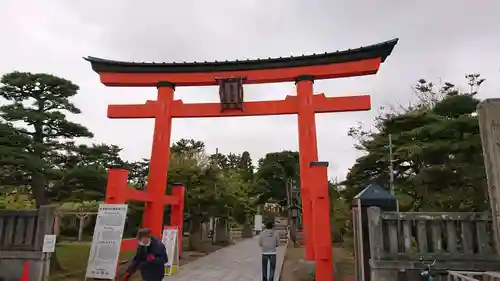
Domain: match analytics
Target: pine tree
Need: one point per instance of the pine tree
(37, 105)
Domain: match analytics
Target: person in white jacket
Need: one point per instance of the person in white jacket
(269, 241)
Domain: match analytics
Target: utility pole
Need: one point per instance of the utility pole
(391, 172)
(214, 220)
(391, 167)
(288, 200)
(292, 224)
(217, 165)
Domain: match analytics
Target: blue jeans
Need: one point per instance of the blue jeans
(271, 261)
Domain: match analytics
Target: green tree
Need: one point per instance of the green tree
(14, 157)
(190, 165)
(138, 173)
(241, 163)
(37, 104)
(220, 160)
(273, 173)
(438, 163)
(83, 171)
(188, 147)
(246, 167)
(234, 197)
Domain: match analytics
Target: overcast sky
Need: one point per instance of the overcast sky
(439, 40)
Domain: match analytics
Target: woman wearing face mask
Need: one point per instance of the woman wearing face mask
(150, 258)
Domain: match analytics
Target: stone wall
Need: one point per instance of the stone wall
(489, 124)
(21, 240)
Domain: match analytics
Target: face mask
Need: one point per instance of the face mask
(144, 244)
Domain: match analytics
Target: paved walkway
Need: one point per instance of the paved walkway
(239, 262)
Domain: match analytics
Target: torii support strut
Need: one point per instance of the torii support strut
(119, 192)
(303, 70)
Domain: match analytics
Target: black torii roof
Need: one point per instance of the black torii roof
(381, 50)
(375, 195)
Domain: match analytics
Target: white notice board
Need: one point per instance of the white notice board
(258, 223)
(49, 243)
(106, 242)
(170, 239)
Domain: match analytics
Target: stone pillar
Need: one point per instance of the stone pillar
(489, 125)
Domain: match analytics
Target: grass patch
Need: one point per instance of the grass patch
(73, 259)
(294, 254)
(290, 263)
(342, 257)
(344, 262)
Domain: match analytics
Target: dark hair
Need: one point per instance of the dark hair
(143, 232)
(269, 225)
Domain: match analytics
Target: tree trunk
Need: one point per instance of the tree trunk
(195, 242)
(38, 189)
(38, 178)
(293, 231)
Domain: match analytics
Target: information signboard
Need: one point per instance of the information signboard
(106, 242)
(170, 239)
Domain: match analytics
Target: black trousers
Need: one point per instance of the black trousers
(271, 261)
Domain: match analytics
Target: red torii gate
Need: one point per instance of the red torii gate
(231, 76)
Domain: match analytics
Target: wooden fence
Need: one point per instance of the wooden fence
(472, 276)
(401, 242)
(21, 240)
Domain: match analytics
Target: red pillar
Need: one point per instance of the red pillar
(177, 212)
(158, 165)
(321, 222)
(25, 276)
(116, 193)
(308, 153)
(116, 187)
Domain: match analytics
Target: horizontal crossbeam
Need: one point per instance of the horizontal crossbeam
(144, 196)
(276, 75)
(289, 105)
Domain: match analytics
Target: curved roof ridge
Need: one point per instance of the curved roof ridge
(380, 50)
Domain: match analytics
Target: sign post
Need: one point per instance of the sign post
(48, 247)
(258, 224)
(171, 238)
(49, 243)
(106, 242)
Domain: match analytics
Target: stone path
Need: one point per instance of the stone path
(239, 262)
